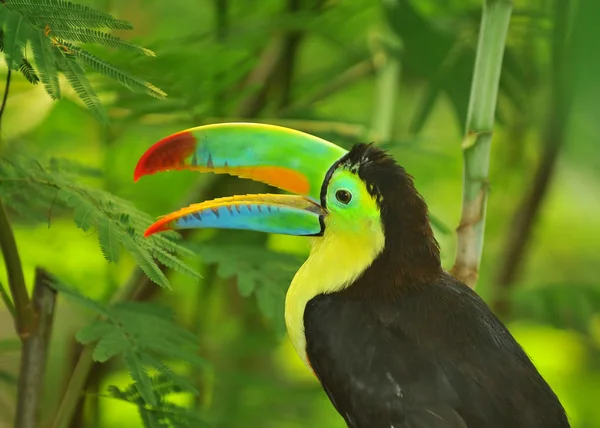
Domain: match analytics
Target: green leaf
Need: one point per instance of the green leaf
(173, 262)
(139, 331)
(165, 414)
(86, 35)
(108, 239)
(113, 72)
(74, 14)
(145, 262)
(45, 62)
(36, 192)
(259, 271)
(80, 83)
(28, 72)
(140, 377)
(15, 37)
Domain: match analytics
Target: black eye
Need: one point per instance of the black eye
(343, 196)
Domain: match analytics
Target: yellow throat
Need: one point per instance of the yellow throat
(335, 261)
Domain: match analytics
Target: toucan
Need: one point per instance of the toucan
(395, 340)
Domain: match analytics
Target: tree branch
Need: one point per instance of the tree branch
(553, 139)
(16, 281)
(34, 353)
(477, 141)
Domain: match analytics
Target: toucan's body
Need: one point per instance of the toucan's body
(395, 341)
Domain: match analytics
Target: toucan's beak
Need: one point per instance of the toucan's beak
(285, 158)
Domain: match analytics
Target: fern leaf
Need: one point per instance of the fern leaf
(119, 75)
(86, 35)
(85, 214)
(28, 72)
(140, 377)
(109, 243)
(78, 14)
(145, 262)
(45, 62)
(173, 262)
(15, 37)
(80, 83)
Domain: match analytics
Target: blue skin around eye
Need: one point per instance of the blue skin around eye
(278, 219)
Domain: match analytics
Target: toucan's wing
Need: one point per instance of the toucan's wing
(375, 376)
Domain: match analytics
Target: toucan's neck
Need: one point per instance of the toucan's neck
(411, 255)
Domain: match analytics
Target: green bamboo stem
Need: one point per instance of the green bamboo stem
(477, 141)
(386, 94)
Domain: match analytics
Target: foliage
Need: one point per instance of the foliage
(47, 28)
(565, 306)
(138, 331)
(260, 272)
(37, 192)
(164, 414)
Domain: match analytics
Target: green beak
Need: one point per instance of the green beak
(285, 158)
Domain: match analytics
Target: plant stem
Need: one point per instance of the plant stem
(5, 97)
(73, 394)
(553, 139)
(386, 95)
(7, 301)
(16, 281)
(477, 141)
(34, 352)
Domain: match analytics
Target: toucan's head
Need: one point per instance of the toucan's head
(359, 197)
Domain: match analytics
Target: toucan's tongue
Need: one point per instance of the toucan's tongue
(282, 214)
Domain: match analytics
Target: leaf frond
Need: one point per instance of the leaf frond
(116, 73)
(79, 14)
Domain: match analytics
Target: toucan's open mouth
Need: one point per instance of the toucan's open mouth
(285, 158)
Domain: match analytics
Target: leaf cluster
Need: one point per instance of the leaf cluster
(164, 414)
(140, 332)
(565, 306)
(49, 29)
(260, 272)
(38, 192)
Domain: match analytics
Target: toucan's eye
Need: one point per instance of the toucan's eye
(343, 196)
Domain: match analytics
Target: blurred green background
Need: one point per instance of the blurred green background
(396, 72)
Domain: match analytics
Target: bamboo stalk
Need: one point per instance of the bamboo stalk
(477, 141)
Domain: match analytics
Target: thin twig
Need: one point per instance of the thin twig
(34, 353)
(553, 139)
(5, 97)
(477, 142)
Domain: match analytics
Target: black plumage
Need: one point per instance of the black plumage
(409, 346)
